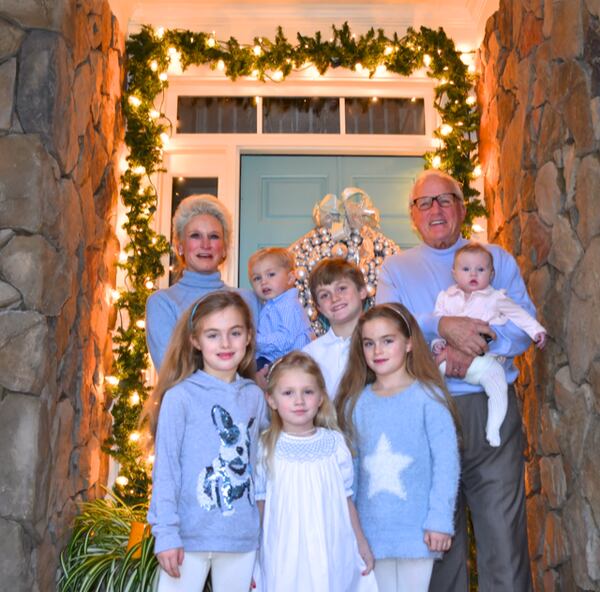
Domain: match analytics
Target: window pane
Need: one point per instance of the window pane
(301, 115)
(216, 115)
(385, 116)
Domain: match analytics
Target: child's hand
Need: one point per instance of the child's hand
(261, 377)
(170, 560)
(540, 340)
(437, 541)
(367, 556)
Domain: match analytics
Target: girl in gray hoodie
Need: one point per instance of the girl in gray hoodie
(206, 414)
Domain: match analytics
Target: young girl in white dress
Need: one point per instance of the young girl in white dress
(311, 538)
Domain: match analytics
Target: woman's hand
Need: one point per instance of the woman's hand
(437, 541)
(170, 560)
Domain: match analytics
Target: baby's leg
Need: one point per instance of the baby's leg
(486, 371)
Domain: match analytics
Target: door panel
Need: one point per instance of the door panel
(278, 193)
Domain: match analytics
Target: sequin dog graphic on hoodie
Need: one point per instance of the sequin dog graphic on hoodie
(229, 477)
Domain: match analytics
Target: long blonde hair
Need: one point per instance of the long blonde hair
(182, 359)
(325, 417)
(420, 365)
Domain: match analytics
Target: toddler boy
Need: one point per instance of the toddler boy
(282, 322)
(338, 290)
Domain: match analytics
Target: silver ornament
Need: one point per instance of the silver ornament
(301, 273)
(371, 290)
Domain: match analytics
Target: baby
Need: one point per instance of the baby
(282, 322)
(473, 296)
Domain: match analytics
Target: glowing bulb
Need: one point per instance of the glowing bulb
(154, 65)
(221, 65)
(466, 58)
(446, 129)
(389, 50)
(477, 171)
(135, 398)
(255, 73)
(154, 241)
(471, 69)
(141, 324)
(413, 99)
(374, 99)
(436, 162)
(123, 164)
(277, 75)
(121, 480)
(427, 60)
(150, 459)
(381, 69)
(154, 114)
(172, 51)
(358, 67)
(471, 100)
(123, 257)
(134, 101)
(164, 138)
(149, 284)
(112, 380)
(477, 228)
(437, 142)
(134, 436)
(211, 42)
(257, 50)
(163, 76)
(115, 294)
(160, 32)
(139, 170)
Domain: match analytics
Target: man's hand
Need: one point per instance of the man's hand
(465, 334)
(261, 377)
(170, 560)
(457, 363)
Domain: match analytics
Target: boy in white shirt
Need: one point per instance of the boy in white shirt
(339, 291)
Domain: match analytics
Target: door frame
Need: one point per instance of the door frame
(219, 155)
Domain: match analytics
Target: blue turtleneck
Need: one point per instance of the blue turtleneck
(164, 307)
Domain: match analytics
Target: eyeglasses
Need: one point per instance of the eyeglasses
(445, 200)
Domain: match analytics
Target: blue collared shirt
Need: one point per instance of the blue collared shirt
(283, 326)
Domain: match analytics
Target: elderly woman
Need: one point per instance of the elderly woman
(201, 237)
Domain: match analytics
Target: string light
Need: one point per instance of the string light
(477, 228)
(436, 162)
(446, 129)
(211, 42)
(121, 480)
(154, 114)
(139, 170)
(277, 75)
(154, 65)
(477, 171)
(471, 100)
(358, 67)
(257, 50)
(149, 284)
(141, 324)
(134, 101)
(389, 50)
(165, 139)
(134, 399)
(163, 76)
(427, 60)
(381, 69)
(221, 65)
(123, 257)
(134, 436)
(160, 32)
(112, 380)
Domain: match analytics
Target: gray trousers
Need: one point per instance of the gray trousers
(492, 485)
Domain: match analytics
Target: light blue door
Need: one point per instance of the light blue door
(278, 193)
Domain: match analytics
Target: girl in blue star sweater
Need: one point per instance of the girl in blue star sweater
(394, 408)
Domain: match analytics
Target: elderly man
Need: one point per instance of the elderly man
(492, 478)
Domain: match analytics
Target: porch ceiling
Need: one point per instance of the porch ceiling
(463, 20)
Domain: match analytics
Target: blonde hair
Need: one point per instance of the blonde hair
(281, 255)
(325, 417)
(198, 205)
(182, 359)
(419, 365)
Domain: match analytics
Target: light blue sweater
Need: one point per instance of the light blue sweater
(407, 469)
(164, 307)
(416, 276)
(203, 476)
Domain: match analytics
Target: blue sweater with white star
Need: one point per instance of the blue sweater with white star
(406, 470)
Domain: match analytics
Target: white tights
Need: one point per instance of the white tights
(230, 572)
(403, 575)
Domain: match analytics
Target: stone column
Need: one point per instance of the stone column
(540, 136)
(60, 125)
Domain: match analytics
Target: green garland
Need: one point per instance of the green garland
(149, 54)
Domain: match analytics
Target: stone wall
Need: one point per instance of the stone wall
(540, 135)
(60, 124)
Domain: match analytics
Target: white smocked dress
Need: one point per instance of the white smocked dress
(308, 544)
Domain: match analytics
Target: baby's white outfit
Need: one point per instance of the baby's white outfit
(496, 308)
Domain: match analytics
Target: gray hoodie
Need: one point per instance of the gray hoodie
(203, 477)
